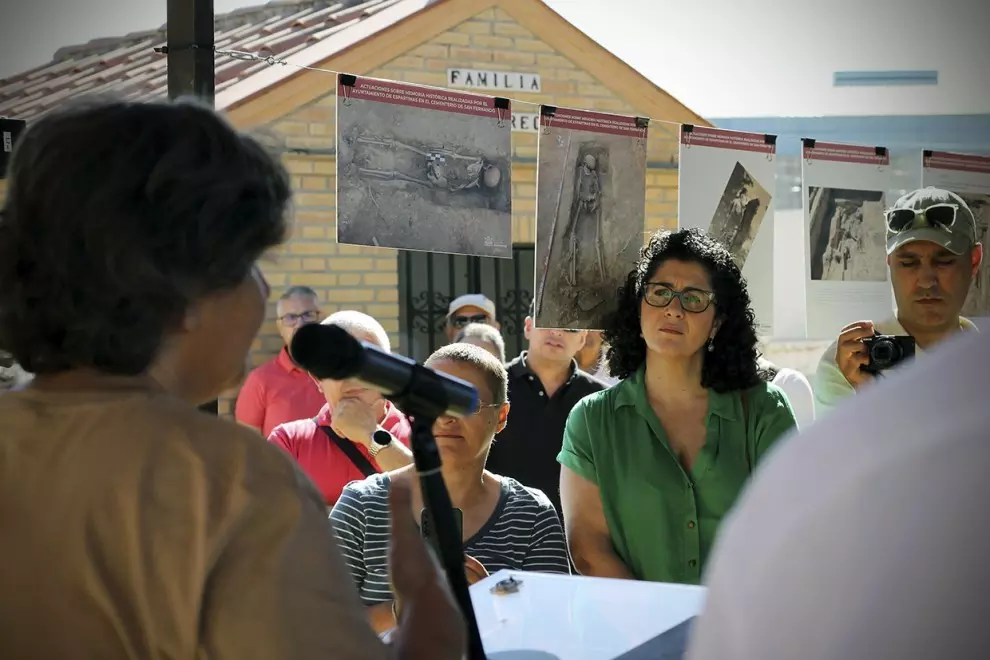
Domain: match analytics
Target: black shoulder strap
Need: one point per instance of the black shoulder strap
(346, 446)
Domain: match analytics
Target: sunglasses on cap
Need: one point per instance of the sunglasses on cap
(937, 216)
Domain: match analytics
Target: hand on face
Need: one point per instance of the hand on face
(356, 419)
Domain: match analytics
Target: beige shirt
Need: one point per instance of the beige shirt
(134, 526)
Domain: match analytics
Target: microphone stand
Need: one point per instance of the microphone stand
(424, 400)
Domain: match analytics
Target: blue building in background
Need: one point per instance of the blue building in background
(905, 136)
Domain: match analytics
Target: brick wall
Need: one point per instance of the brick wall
(366, 278)
(493, 40)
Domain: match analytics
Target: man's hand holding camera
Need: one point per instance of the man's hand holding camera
(356, 420)
(851, 354)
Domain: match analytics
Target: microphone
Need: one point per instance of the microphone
(330, 352)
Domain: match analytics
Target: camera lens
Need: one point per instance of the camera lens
(883, 353)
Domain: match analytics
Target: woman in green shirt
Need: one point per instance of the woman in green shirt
(651, 466)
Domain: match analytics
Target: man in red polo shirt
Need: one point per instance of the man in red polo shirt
(279, 391)
(357, 432)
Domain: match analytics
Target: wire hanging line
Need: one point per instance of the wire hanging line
(272, 60)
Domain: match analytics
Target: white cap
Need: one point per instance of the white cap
(472, 300)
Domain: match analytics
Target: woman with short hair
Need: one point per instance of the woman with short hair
(504, 523)
(651, 465)
(134, 525)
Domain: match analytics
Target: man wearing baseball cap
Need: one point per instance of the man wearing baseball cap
(933, 254)
(469, 308)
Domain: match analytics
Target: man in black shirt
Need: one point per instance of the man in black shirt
(544, 384)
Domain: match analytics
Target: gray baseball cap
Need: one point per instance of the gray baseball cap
(958, 239)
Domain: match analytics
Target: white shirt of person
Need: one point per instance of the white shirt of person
(798, 390)
(831, 387)
(866, 537)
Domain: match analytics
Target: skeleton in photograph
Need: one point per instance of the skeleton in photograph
(434, 168)
(586, 207)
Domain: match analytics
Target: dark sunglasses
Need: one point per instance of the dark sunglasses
(938, 216)
(461, 321)
(694, 301)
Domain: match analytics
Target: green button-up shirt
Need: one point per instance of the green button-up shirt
(662, 519)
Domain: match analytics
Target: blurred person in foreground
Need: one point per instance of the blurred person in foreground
(505, 524)
(280, 390)
(933, 255)
(860, 539)
(134, 525)
(357, 432)
(651, 465)
(484, 336)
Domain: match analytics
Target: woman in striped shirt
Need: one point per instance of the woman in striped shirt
(505, 524)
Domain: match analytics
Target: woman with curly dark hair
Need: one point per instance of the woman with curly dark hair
(650, 466)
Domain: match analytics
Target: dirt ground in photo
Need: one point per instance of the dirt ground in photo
(419, 179)
(847, 235)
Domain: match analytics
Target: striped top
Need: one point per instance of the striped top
(523, 534)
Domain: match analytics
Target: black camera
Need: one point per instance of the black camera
(887, 351)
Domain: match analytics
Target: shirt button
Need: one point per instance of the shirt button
(690, 524)
(693, 563)
(541, 393)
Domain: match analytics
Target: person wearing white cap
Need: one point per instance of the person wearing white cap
(469, 308)
(933, 255)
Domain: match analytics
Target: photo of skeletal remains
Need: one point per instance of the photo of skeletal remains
(589, 224)
(847, 235)
(978, 301)
(420, 179)
(740, 213)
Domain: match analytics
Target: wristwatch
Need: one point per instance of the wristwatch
(380, 439)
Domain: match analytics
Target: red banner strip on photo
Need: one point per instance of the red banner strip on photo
(414, 96)
(593, 122)
(703, 136)
(846, 153)
(943, 160)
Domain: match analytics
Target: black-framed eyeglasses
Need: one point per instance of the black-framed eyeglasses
(937, 216)
(694, 301)
(292, 320)
(461, 321)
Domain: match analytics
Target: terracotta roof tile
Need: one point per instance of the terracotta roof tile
(128, 66)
